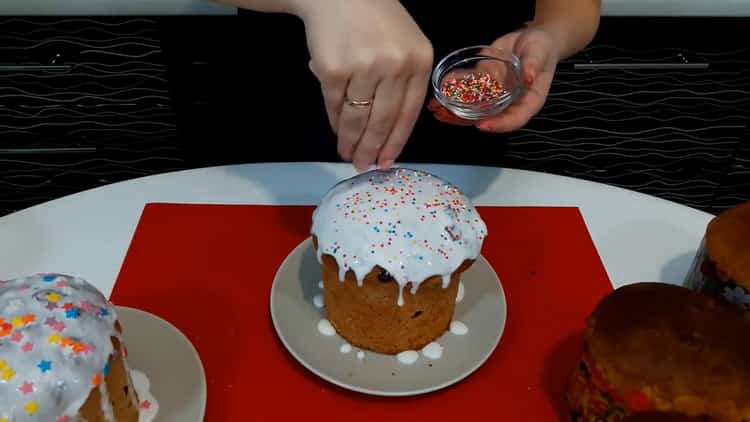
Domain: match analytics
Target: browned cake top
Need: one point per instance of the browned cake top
(671, 342)
(665, 417)
(728, 243)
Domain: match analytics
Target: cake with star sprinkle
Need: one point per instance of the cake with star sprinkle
(61, 354)
(393, 245)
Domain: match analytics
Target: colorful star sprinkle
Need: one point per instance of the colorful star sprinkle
(26, 388)
(473, 88)
(45, 366)
(49, 324)
(72, 313)
(145, 404)
(31, 407)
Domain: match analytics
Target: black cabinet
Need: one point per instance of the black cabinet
(660, 106)
(657, 105)
(83, 102)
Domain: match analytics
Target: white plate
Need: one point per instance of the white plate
(295, 318)
(171, 363)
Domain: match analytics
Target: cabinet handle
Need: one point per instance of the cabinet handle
(647, 66)
(40, 151)
(60, 68)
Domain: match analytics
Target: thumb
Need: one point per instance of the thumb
(532, 55)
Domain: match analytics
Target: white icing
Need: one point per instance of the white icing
(320, 284)
(318, 301)
(360, 355)
(55, 337)
(461, 292)
(458, 328)
(148, 407)
(345, 348)
(408, 222)
(433, 351)
(107, 411)
(325, 328)
(407, 357)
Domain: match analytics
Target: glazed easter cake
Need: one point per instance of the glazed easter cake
(61, 354)
(393, 244)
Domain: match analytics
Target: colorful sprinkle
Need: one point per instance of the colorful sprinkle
(473, 88)
(7, 374)
(49, 278)
(96, 380)
(31, 407)
(28, 347)
(145, 404)
(53, 297)
(26, 388)
(72, 313)
(45, 366)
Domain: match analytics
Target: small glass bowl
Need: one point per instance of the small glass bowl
(502, 66)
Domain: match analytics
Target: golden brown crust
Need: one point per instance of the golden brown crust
(685, 351)
(120, 391)
(666, 417)
(369, 317)
(728, 244)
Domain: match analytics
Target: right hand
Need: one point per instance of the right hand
(368, 50)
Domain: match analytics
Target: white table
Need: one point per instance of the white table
(639, 238)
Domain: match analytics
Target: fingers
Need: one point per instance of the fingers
(333, 86)
(517, 115)
(389, 97)
(416, 90)
(353, 119)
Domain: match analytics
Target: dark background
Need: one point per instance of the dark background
(90, 101)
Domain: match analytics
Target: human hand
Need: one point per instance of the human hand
(374, 54)
(539, 55)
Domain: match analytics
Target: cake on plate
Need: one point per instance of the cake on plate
(393, 245)
(721, 267)
(657, 347)
(61, 354)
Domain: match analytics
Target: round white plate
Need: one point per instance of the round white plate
(295, 318)
(161, 352)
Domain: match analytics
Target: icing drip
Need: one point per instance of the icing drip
(461, 292)
(433, 351)
(408, 357)
(55, 343)
(345, 348)
(148, 407)
(325, 328)
(107, 411)
(458, 328)
(408, 222)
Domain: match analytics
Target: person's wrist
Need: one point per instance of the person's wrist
(557, 35)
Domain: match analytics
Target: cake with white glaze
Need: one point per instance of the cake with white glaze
(61, 354)
(393, 244)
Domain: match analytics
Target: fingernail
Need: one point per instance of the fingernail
(387, 164)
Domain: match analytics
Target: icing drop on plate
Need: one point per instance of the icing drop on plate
(407, 357)
(320, 284)
(148, 407)
(345, 348)
(360, 355)
(461, 292)
(458, 328)
(410, 223)
(325, 328)
(318, 301)
(433, 351)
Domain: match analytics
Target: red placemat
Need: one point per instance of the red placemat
(209, 268)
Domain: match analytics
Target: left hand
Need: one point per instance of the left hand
(539, 55)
